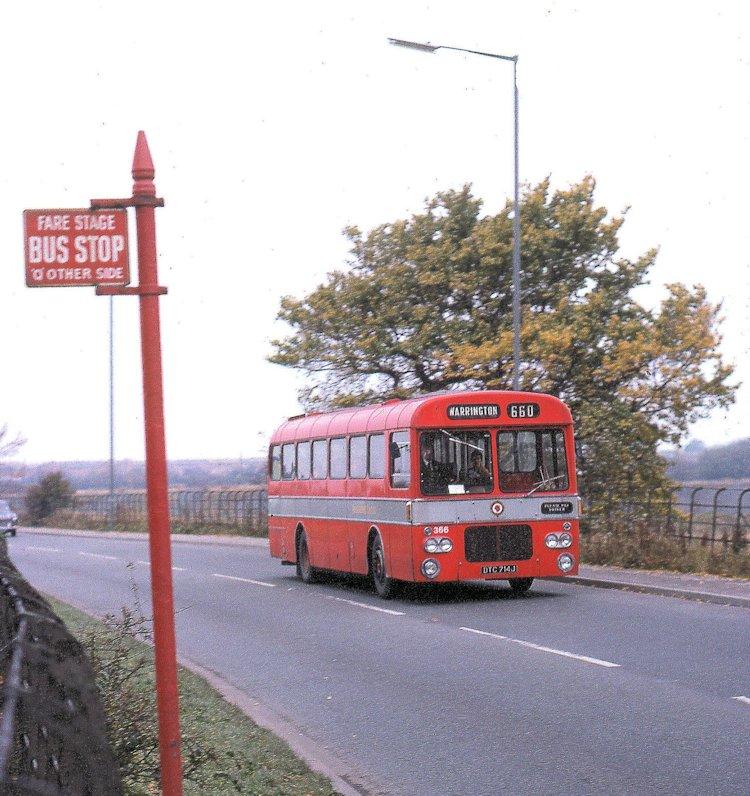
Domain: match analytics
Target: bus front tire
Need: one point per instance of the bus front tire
(306, 572)
(384, 586)
(520, 585)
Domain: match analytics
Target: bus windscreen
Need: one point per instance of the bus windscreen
(455, 462)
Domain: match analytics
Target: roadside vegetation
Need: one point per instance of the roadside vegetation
(424, 303)
(80, 520)
(224, 752)
(643, 549)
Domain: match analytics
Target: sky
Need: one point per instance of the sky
(274, 125)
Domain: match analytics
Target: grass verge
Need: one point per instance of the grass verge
(642, 549)
(80, 521)
(224, 752)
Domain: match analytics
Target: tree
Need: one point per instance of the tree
(8, 447)
(53, 492)
(425, 304)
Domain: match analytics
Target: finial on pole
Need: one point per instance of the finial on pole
(143, 168)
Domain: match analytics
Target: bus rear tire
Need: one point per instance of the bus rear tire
(385, 587)
(306, 572)
(520, 585)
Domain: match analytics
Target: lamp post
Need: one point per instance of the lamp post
(432, 48)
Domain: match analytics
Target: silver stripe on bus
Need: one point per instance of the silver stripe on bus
(424, 512)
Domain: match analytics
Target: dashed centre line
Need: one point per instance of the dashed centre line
(744, 699)
(97, 555)
(45, 549)
(148, 564)
(367, 605)
(244, 580)
(531, 645)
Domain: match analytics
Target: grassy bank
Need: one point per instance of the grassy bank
(641, 549)
(81, 521)
(638, 548)
(224, 752)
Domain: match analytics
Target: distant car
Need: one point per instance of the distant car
(8, 519)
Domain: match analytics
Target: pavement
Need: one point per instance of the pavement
(459, 690)
(703, 588)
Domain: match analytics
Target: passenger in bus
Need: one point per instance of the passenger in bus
(434, 476)
(477, 477)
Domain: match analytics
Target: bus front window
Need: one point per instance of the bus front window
(455, 462)
(532, 461)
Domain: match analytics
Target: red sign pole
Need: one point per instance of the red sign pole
(145, 201)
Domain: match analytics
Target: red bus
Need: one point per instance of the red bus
(457, 486)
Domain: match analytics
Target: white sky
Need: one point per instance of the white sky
(274, 125)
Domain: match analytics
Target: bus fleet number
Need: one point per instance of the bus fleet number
(523, 410)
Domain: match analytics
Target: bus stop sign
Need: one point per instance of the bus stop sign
(65, 248)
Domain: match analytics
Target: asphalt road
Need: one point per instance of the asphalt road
(568, 690)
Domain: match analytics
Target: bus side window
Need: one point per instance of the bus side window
(320, 458)
(288, 461)
(275, 463)
(358, 457)
(338, 457)
(303, 461)
(376, 456)
(400, 460)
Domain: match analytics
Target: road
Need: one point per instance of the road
(568, 690)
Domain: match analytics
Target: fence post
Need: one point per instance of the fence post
(739, 537)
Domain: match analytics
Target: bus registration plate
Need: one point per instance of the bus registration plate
(498, 569)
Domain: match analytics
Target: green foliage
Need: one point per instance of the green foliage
(425, 305)
(641, 547)
(223, 752)
(53, 492)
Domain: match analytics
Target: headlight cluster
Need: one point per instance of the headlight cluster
(555, 540)
(430, 568)
(436, 545)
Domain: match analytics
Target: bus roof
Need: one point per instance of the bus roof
(475, 408)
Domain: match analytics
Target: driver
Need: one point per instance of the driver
(433, 475)
(477, 474)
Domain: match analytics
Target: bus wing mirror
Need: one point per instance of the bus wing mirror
(395, 450)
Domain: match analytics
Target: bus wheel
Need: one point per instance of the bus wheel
(384, 586)
(520, 585)
(306, 572)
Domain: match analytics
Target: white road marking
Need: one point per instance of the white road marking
(97, 555)
(744, 699)
(245, 580)
(46, 549)
(367, 605)
(484, 633)
(148, 564)
(563, 653)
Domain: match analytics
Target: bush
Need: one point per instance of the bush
(53, 492)
(639, 547)
(124, 675)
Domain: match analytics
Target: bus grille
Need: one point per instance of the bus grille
(498, 543)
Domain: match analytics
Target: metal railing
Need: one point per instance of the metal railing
(709, 516)
(53, 736)
(717, 517)
(243, 510)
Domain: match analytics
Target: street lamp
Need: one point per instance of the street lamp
(432, 48)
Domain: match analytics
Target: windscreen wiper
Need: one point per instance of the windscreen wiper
(544, 482)
(462, 442)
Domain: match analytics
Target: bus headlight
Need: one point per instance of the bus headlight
(445, 545)
(564, 540)
(565, 562)
(430, 568)
(431, 545)
(551, 540)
